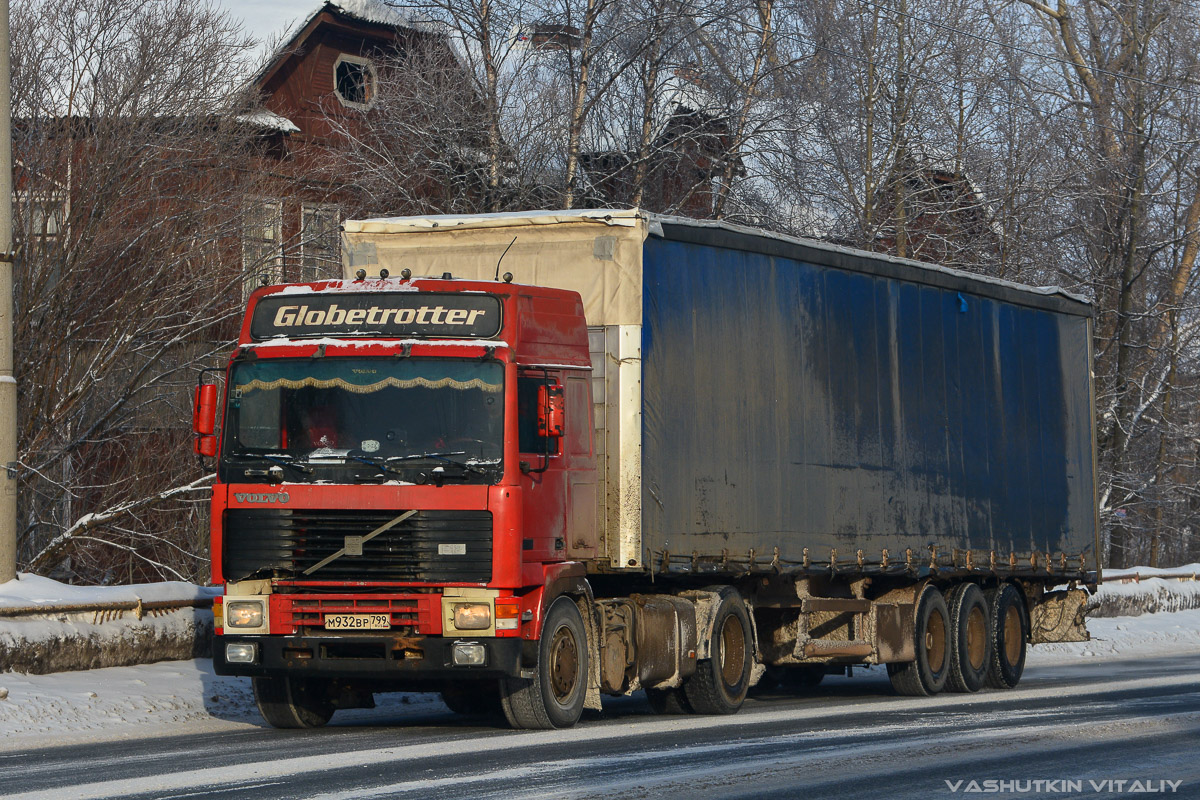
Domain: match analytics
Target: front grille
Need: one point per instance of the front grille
(409, 614)
(433, 546)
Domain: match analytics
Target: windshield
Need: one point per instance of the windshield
(370, 418)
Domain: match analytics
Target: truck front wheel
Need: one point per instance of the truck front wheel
(722, 681)
(293, 702)
(554, 698)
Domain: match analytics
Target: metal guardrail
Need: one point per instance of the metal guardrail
(1138, 577)
(110, 610)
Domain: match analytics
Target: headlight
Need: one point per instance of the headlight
(472, 616)
(238, 653)
(244, 614)
(470, 655)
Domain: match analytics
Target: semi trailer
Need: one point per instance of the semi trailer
(531, 459)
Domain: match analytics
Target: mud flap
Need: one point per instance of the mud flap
(1059, 618)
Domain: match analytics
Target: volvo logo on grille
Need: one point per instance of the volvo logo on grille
(272, 497)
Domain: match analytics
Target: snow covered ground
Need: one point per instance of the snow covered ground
(178, 697)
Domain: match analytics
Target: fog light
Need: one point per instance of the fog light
(241, 653)
(472, 616)
(244, 614)
(470, 655)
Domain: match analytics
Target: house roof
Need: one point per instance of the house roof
(370, 12)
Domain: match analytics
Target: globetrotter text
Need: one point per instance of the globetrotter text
(295, 316)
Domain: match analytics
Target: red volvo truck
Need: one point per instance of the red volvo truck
(670, 455)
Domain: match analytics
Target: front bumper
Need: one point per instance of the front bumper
(385, 657)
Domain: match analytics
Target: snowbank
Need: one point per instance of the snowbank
(47, 626)
(1165, 634)
(1148, 595)
(34, 590)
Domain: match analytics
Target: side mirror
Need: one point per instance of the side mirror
(204, 419)
(551, 411)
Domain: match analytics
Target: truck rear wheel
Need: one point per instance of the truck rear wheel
(970, 638)
(1009, 628)
(927, 674)
(554, 698)
(293, 702)
(722, 680)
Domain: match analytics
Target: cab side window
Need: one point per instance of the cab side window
(528, 440)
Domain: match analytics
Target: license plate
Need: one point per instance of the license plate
(357, 622)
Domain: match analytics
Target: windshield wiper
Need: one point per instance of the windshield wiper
(379, 463)
(292, 462)
(441, 457)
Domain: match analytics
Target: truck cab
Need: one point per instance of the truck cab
(404, 467)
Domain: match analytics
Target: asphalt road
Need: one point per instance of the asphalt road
(1086, 730)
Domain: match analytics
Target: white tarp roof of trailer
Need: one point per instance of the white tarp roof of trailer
(624, 217)
(595, 252)
(612, 292)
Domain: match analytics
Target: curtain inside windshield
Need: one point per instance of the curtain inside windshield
(377, 407)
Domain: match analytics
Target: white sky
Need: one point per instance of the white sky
(266, 19)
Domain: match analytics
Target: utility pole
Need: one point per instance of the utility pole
(8, 384)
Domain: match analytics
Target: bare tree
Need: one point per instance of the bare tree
(130, 180)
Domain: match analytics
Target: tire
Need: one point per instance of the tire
(473, 698)
(721, 681)
(931, 639)
(293, 702)
(970, 638)
(669, 701)
(1008, 620)
(553, 699)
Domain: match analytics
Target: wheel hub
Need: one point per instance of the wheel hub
(564, 664)
(733, 650)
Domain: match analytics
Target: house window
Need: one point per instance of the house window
(262, 244)
(354, 81)
(320, 244)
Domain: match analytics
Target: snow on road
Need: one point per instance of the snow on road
(179, 697)
(1147, 635)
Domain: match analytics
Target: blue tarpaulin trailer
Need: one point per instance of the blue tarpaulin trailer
(802, 396)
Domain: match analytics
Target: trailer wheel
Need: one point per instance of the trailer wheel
(669, 701)
(721, 681)
(478, 698)
(1009, 628)
(553, 699)
(293, 702)
(970, 638)
(927, 674)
